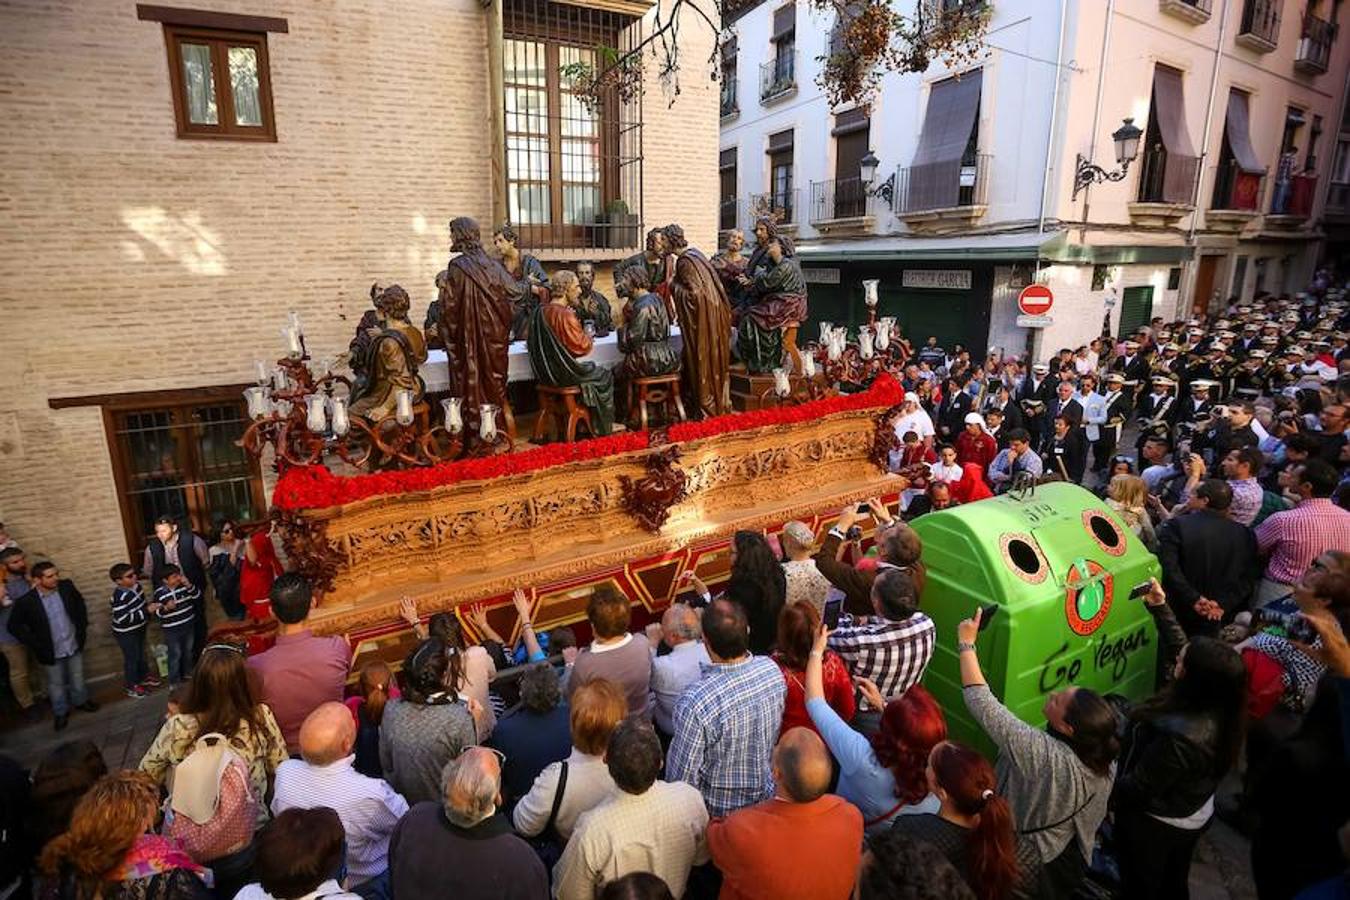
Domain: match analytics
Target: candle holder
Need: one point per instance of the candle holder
(490, 439)
(870, 298)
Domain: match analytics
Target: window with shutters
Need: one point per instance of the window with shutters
(781, 199)
(727, 209)
(778, 76)
(1136, 307)
(845, 196)
(729, 105)
(1170, 165)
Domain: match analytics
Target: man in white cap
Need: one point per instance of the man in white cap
(1195, 408)
(1133, 365)
(974, 444)
(915, 418)
(1115, 409)
(1034, 395)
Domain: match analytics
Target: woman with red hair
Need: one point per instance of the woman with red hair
(797, 627)
(973, 826)
(884, 774)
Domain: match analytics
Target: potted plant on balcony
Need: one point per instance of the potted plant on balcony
(623, 225)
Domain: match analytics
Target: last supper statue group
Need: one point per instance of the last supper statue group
(486, 301)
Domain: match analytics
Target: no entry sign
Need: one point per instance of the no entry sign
(1035, 300)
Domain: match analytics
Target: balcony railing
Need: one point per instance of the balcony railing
(1193, 11)
(943, 185)
(843, 198)
(728, 105)
(1260, 29)
(1293, 196)
(1235, 189)
(1167, 177)
(782, 205)
(777, 76)
(1314, 46)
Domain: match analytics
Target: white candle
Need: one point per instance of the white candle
(260, 371)
(825, 329)
(808, 365)
(781, 386)
(256, 397)
(279, 382)
(341, 423)
(870, 291)
(487, 422)
(316, 418)
(454, 417)
(833, 351)
(295, 323)
(403, 407)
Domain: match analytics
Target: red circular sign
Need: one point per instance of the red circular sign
(1035, 300)
(1088, 592)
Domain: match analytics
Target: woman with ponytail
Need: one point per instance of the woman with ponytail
(375, 687)
(973, 827)
(109, 852)
(425, 728)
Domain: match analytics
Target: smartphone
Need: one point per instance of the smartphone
(1140, 591)
(987, 613)
(864, 509)
(832, 610)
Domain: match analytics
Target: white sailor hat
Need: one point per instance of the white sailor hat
(1115, 376)
(1221, 324)
(1131, 344)
(1218, 347)
(1164, 379)
(1040, 367)
(1258, 353)
(1203, 384)
(1294, 350)
(1302, 336)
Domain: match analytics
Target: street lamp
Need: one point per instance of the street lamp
(1126, 138)
(867, 170)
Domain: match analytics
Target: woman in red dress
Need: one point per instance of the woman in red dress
(797, 626)
(259, 567)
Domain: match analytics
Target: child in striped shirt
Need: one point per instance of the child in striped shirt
(128, 626)
(174, 603)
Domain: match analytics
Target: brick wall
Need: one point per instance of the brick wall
(136, 261)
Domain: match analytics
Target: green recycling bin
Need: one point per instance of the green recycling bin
(1061, 565)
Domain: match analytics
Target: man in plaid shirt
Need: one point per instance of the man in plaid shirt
(726, 723)
(892, 649)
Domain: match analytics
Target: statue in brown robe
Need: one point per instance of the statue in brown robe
(386, 353)
(704, 313)
(476, 300)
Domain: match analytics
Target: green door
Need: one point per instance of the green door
(1136, 310)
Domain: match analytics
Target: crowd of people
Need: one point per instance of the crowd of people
(773, 738)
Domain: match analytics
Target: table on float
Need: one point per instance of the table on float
(435, 371)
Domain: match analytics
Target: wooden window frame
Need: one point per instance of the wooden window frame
(220, 40)
(115, 407)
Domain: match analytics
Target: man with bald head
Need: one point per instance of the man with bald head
(747, 846)
(324, 776)
(682, 666)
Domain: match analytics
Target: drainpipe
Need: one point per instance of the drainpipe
(1097, 107)
(1054, 119)
(496, 111)
(1193, 268)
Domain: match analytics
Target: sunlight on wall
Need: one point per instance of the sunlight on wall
(419, 224)
(181, 238)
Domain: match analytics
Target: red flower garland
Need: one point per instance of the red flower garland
(315, 487)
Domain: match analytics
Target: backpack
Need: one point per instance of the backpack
(211, 809)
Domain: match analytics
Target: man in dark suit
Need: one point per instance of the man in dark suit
(1064, 403)
(1209, 562)
(51, 620)
(1067, 451)
(951, 412)
(1133, 367)
(1034, 395)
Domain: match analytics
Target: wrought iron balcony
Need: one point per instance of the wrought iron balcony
(943, 185)
(781, 205)
(1260, 28)
(777, 77)
(842, 198)
(1167, 177)
(728, 105)
(1314, 46)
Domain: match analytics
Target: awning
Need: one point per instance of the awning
(784, 21)
(1169, 105)
(1237, 128)
(1012, 246)
(953, 105)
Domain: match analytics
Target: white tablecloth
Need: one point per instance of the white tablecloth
(605, 352)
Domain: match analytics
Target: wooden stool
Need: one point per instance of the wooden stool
(557, 404)
(656, 389)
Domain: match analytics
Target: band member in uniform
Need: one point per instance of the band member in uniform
(1117, 410)
(1033, 397)
(1195, 409)
(1133, 366)
(1158, 411)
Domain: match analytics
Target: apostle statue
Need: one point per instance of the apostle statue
(385, 355)
(593, 306)
(655, 258)
(476, 300)
(526, 270)
(777, 294)
(556, 340)
(731, 265)
(644, 336)
(704, 314)
(433, 316)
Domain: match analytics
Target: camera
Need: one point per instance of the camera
(854, 533)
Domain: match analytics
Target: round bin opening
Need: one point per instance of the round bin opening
(1023, 555)
(1106, 533)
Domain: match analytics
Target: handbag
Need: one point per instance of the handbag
(548, 844)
